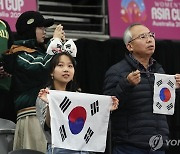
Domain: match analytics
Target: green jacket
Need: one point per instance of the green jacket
(4, 37)
(28, 65)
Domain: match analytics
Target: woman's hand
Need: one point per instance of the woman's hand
(43, 95)
(115, 103)
(59, 33)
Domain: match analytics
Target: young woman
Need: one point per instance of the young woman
(62, 70)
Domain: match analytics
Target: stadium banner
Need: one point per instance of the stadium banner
(160, 16)
(10, 10)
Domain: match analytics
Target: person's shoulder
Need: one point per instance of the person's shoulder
(20, 49)
(117, 65)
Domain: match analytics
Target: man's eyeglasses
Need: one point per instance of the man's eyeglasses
(144, 36)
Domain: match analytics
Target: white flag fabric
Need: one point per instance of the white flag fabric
(164, 94)
(79, 121)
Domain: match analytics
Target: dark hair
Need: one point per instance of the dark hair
(72, 85)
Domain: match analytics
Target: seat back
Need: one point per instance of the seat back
(7, 129)
(7, 124)
(25, 151)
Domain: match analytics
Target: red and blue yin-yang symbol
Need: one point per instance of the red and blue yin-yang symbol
(77, 119)
(165, 94)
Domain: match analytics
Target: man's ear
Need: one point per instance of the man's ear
(129, 47)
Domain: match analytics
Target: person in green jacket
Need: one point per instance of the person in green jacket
(6, 105)
(28, 64)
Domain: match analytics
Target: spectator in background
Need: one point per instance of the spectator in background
(131, 81)
(6, 105)
(28, 64)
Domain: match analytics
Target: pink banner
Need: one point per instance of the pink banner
(160, 16)
(10, 10)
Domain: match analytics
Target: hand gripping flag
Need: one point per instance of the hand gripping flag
(164, 94)
(79, 121)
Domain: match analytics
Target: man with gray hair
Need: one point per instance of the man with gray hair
(131, 81)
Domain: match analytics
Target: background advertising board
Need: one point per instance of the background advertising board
(160, 16)
(10, 10)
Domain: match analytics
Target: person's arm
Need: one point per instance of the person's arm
(33, 62)
(48, 119)
(43, 96)
(117, 84)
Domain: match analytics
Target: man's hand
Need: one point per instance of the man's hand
(177, 77)
(134, 77)
(115, 103)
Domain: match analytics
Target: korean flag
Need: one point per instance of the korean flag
(79, 121)
(164, 94)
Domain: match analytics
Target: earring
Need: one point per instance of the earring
(52, 77)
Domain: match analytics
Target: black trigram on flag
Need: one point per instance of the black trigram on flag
(170, 106)
(94, 107)
(170, 83)
(88, 135)
(158, 105)
(65, 104)
(62, 133)
(159, 82)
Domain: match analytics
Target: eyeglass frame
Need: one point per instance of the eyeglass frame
(146, 35)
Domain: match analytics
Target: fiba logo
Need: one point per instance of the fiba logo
(156, 142)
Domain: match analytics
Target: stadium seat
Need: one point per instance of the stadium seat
(7, 129)
(25, 151)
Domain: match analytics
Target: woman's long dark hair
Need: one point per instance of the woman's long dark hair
(72, 85)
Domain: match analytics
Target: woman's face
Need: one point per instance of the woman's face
(64, 71)
(40, 34)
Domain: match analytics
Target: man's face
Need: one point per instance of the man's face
(143, 42)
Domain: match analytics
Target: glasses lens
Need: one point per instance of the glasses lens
(152, 34)
(142, 36)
